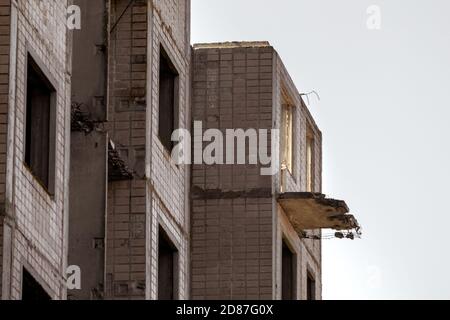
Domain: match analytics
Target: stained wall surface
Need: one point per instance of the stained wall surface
(158, 196)
(35, 220)
(237, 225)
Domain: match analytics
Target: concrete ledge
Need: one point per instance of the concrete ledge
(202, 194)
(232, 44)
(308, 211)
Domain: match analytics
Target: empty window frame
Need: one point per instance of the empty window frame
(310, 287)
(40, 126)
(287, 137)
(310, 160)
(31, 289)
(167, 268)
(168, 99)
(288, 273)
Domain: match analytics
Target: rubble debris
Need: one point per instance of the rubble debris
(81, 121)
(117, 168)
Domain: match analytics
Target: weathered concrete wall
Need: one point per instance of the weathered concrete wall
(232, 205)
(89, 59)
(88, 179)
(307, 251)
(88, 183)
(36, 221)
(158, 195)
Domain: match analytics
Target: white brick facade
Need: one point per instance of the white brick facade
(168, 186)
(308, 251)
(160, 196)
(34, 227)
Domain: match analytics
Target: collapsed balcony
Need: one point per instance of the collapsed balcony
(117, 168)
(310, 211)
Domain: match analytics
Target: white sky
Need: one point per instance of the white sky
(384, 113)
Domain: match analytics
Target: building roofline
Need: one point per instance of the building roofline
(262, 44)
(232, 44)
(292, 87)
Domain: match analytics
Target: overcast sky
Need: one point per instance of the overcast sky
(384, 113)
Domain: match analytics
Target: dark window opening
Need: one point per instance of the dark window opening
(288, 269)
(168, 100)
(311, 288)
(167, 268)
(39, 140)
(32, 290)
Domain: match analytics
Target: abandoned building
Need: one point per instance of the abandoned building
(248, 230)
(86, 173)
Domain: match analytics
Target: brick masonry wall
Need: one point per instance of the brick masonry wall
(306, 260)
(308, 251)
(125, 239)
(168, 185)
(236, 243)
(232, 230)
(232, 90)
(5, 26)
(37, 220)
(232, 248)
(159, 192)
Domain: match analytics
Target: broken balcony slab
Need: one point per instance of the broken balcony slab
(307, 211)
(117, 168)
